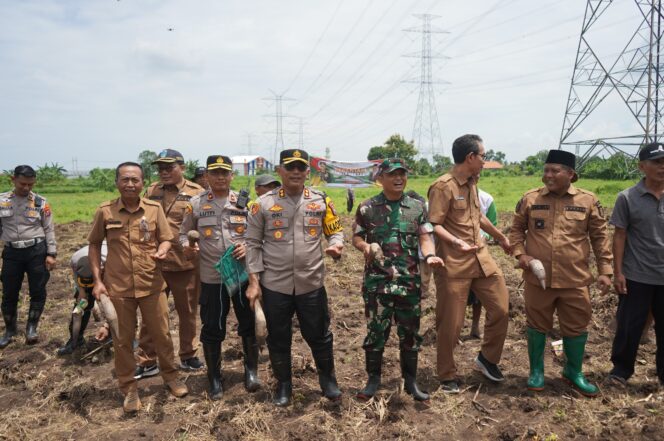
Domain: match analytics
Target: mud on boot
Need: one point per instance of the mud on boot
(10, 329)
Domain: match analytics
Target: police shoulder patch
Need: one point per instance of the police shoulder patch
(255, 207)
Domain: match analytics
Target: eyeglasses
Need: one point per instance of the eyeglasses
(483, 156)
(166, 167)
(299, 165)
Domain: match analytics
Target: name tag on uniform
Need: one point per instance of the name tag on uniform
(577, 209)
(6, 212)
(539, 207)
(459, 198)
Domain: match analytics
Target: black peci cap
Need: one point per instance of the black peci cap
(200, 171)
(292, 155)
(563, 158)
(215, 162)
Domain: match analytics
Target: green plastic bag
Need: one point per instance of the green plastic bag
(233, 274)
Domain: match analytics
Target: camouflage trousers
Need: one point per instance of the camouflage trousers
(381, 309)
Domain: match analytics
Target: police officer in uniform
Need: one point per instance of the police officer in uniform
(200, 177)
(173, 192)
(221, 223)
(82, 274)
(553, 224)
(139, 236)
(26, 228)
(285, 266)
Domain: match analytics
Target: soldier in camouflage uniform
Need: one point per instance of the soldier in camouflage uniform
(391, 287)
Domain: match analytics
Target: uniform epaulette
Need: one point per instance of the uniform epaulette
(197, 197)
(445, 178)
(151, 202)
(318, 192)
(588, 192)
(108, 203)
(192, 184)
(533, 190)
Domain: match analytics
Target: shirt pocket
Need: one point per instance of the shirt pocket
(237, 226)
(276, 229)
(31, 215)
(459, 211)
(576, 221)
(408, 235)
(208, 228)
(115, 232)
(312, 228)
(6, 212)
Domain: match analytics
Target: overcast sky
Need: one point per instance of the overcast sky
(102, 80)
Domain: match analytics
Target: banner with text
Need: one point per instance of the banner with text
(343, 174)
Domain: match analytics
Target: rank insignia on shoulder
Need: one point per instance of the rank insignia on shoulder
(282, 193)
(210, 196)
(307, 195)
(255, 208)
(276, 208)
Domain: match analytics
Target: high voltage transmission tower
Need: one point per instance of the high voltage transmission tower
(426, 128)
(278, 118)
(634, 76)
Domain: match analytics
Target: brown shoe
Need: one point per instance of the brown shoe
(132, 403)
(177, 388)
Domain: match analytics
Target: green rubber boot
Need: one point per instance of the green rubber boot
(574, 348)
(536, 344)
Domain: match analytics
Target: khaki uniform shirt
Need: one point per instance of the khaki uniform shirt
(454, 204)
(25, 218)
(132, 240)
(555, 230)
(174, 201)
(284, 239)
(220, 224)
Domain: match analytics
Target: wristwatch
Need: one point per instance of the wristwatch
(428, 255)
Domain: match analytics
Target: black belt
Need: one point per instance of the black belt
(19, 244)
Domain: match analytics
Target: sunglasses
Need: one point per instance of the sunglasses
(166, 167)
(298, 165)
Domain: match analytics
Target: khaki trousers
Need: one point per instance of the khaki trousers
(185, 287)
(154, 310)
(572, 304)
(428, 284)
(452, 296)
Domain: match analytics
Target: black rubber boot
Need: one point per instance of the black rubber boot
(409, 374)
(31, 336)
(212, 353)
(69, 347)
(250, 347)
(281, 367)
(326, 377)
(10, 329)
(374, 362)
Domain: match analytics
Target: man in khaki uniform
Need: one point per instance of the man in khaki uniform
(138, 236)
(454, 209)
(552, 224)
(220, 219)
(285, 266)
(27, 229)
(173, 192)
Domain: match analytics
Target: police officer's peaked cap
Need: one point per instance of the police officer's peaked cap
(293, 155)
(654, 150)
(391, 164)
(216, 162)
(563, 158)
(169, 156)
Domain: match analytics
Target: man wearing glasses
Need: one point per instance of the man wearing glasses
(454, 210)
(285, 266)
(173, 192)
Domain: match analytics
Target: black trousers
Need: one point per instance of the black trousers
(16, 262)
(632, 313)
(215, 304)
(312, 313)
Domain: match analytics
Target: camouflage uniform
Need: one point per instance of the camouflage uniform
(391, 289)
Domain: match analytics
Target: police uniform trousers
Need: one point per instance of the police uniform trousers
(381, 309)
(215, 305)
(631, 317)
(184, 285)
(451, 299)
(572, 304)
(15, 263)
(313, 316)
(154, 312)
